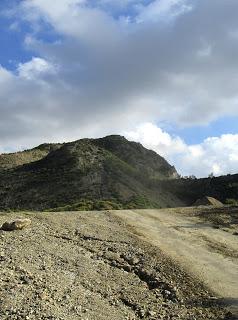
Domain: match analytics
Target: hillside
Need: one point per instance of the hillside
(13, 160)
(86, 174)
(95, 174)
(223, 188)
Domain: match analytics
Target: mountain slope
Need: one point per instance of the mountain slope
(144, 160)
(86, 174)
(106, 173)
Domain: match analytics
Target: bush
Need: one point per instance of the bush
(232, 202)
(88, 205)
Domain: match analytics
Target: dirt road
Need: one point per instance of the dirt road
(207, 253)
(114, 266)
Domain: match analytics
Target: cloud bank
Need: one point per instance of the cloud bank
(104, 66)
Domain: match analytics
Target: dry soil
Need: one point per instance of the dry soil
(140, 264)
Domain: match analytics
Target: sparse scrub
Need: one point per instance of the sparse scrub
(100, 174)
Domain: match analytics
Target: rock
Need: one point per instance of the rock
(1, 233)
(134, 260)
(151, 313)
(43, 295)
(17, 224)
(141, 313)
(113, 263)
(167, 293)
(127, 268)
(25, 279)
(112, 256)
(2, 256)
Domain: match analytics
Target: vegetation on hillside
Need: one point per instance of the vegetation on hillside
(95, 174)
(88, 174)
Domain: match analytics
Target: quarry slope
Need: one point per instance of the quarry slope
(96, 265)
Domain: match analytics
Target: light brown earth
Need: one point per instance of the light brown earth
(140, 264)
(204, 249)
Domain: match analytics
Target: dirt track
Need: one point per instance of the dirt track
(209, 254)
(95, 265)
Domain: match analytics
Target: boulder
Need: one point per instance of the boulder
(17, 224)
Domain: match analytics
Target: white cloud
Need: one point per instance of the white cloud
(101, 75)
(175, 67)
(5, 76)
(35, 9)
(163, 10)
(35, 68)
(217, 155)
(73, 18)
(155, 138)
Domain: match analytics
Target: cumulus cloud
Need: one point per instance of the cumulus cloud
(217, 155)
(155, 138)
(35, 69)
(163, 10)
(112, 65)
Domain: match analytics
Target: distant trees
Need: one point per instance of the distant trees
(191, 177)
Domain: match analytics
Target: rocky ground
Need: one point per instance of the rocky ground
(224, 218)
(91, 265)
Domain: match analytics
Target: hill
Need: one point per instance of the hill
(223, 188)
(13, 160)
(86, 174)
(95, 174)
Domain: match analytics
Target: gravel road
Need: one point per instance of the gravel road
(210, 254)
(102, 265)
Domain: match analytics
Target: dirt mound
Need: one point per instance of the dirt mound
(208, 201)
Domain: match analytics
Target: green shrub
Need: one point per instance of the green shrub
(233, 202)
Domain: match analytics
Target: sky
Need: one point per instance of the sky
(160, 72)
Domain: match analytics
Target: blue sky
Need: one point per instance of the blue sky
(12, 44)
(161, 72)
(197, 134)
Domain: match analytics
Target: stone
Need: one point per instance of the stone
(2, 256)
(141, 313)
(151, 313)
(134, 261)
(17, 224)
(25, 279)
